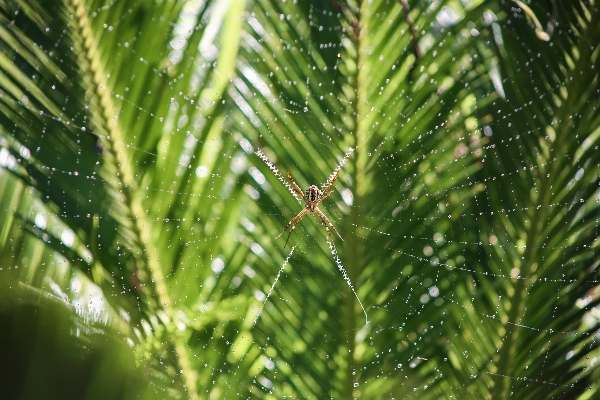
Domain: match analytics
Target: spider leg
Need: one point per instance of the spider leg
(298, 216)
(326, 228)
(326, 195)
(296, 187)
(325, 222)
(294, 221)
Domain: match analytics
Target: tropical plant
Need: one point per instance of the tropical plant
(133, 199)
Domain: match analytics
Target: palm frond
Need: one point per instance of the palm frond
(469, 207)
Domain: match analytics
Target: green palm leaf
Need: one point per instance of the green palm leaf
(468, 208)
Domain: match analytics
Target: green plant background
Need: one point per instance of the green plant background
(137, 226)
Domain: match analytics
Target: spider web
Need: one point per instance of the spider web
(325, 186)
(472, 244)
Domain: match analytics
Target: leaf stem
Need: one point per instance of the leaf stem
(535, 238)
(357, 82)
(138, 227)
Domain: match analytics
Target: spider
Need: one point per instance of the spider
(312, 197)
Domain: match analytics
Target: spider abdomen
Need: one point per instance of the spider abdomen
(313, 194)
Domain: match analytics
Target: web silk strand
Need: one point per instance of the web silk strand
(274, 283)
(347, 278)
(276, 172)
(338, 168)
